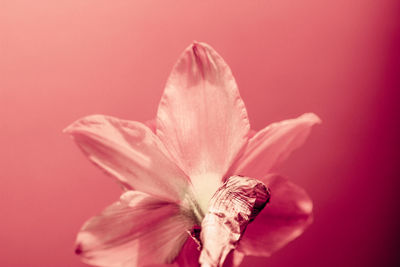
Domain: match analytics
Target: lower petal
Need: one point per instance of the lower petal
(286, 217)
(234, 259)
(188, 257)
(235, 204)
(138, 230)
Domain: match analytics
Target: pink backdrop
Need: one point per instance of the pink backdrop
(61, 60)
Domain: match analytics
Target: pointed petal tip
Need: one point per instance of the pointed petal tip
(66, 130)
(312, 117)
(76, 125)
(306, 206)
(78, 249)
(201, 51)
(196, 43)
(69, 129)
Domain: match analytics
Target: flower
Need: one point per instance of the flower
(180, 174)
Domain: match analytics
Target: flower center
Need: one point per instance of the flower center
(205, 185)
(233, 206)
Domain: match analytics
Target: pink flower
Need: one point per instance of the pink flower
(176, 173)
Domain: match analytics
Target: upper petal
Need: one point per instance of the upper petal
(138, 230)
(201, 118)
(272, 145)
(132, 153)
(285, 217)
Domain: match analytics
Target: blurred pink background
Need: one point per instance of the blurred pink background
(61, 60)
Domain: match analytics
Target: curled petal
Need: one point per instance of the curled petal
(282, 220)
(236, 203)
(272, 145)
(138, 230)
(201, 118)
(132, 153)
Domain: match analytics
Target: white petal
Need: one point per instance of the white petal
(272, 145)
(201, 118)
(132, 153)
(138, 230)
